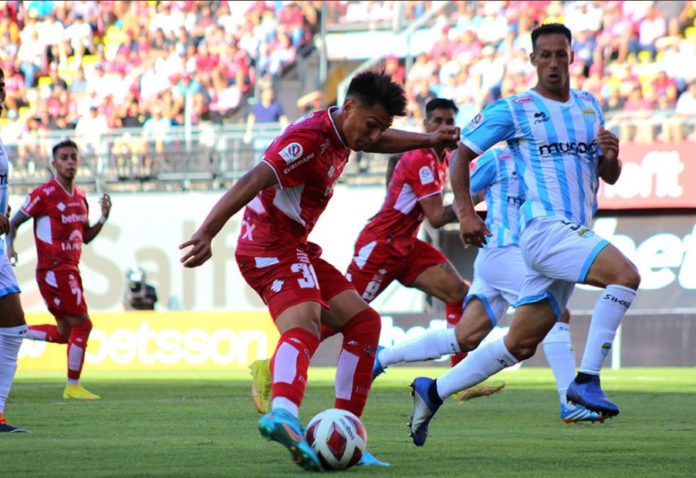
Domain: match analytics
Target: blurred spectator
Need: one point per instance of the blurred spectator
(268, 110)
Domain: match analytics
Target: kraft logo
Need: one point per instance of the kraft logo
(291, 152)
(616, 300)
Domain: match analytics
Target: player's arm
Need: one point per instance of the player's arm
(472, 230)
(90, 232)
(436, 212)
(399, 141)
(17, 220)
(260, 177)
(609, 167)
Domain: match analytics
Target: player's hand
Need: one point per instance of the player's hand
(12, 255)
(446, 136)
(105, 203)
(201, 250)
(473, 231)
(608, 143)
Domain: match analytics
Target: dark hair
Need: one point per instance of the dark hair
(443, 103)
(66, 143)
(548, 29)
(377, 87)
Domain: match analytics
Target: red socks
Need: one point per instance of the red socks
(46, 332)
(454, 312)
(77, 344)
(290, 363)
(354, 369)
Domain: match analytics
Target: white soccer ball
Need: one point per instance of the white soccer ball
(338, 438)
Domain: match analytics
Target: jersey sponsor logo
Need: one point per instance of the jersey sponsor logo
(475, 122)
(426, 175)
(291, 152)
(588, 112)
(48, 190)
(277, 285)
(72, 218)
(61, 207)
(568, 148)
(524, 100)
(298, 163)
(515, 201)
(586, 96)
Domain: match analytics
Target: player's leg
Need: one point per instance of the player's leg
(56, 333)
(80, 328)
(288, 285)
(12, 330)
(620, 278)
(444, 282)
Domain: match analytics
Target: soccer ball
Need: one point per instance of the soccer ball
(338, 438)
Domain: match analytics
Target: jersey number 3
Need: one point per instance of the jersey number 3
(309, 277)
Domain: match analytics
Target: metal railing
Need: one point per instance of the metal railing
(212, 156)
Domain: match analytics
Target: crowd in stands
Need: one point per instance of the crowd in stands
(94, 66)
(637, 57)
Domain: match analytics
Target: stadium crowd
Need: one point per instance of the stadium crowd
(93, 66)
(635, 56)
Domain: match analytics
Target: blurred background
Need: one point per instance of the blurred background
(171, 101)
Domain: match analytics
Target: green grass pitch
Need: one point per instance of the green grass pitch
(204, 424)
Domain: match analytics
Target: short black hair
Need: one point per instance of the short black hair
(66, 143)
(443, 103)
(377, 87)
(548, 29)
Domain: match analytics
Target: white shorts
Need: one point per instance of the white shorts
(559, 255)
(499, 274)
(8, 281)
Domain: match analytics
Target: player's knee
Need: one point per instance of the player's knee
(628, 276)
(83, 327)
(522, 349)
(468, 341)
(364, 326)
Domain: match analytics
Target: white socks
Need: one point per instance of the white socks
(559, 355)
(606, 318)
(431, 345)
(282, 402)
(480, 364)
(10, 341)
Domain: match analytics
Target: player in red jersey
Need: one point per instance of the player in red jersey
(387, 249)
(285, 194)
(61, 226)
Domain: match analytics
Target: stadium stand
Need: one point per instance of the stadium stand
(157, 92)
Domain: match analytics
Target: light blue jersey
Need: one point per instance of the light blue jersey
(4, 194)
(494, 174)
(554, 147)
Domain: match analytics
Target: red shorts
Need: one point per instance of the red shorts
(292, 277)
(376, 264)
(62, 291)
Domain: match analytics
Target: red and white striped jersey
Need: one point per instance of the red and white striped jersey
(418, 174)
(307, 159)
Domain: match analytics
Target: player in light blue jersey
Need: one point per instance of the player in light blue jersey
(12, 325)
(499, 273)
(560, 148)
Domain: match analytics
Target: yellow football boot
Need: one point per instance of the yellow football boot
(261, 383)
(78, 392)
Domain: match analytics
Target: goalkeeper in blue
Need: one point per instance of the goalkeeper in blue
(499, 273)
(560, 149)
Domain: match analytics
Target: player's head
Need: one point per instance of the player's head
(66, 158)
(372, 101)
(552, 55)
(439, 113)
(3, 93)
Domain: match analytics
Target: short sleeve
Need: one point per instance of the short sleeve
(492, 125)
(291, 157)
(484, 172)
(35, 203)
(423, 180)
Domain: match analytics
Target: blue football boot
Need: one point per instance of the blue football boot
(591, 396)
(281, 426)
(571, 413)
(368, 459)
(423, 409)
